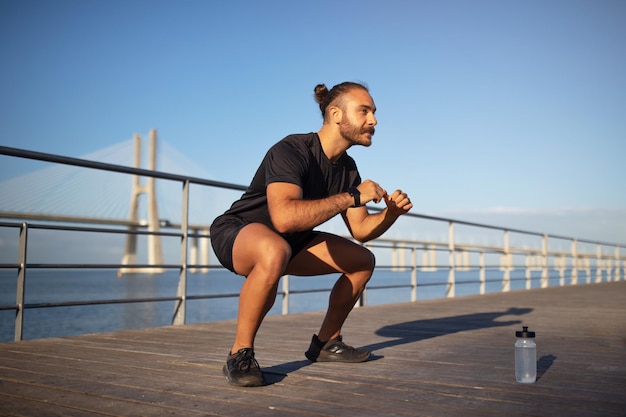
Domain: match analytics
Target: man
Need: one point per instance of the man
(303, 181)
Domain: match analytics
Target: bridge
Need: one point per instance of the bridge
(69, 193)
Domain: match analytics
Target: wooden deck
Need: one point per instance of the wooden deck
(433, 358)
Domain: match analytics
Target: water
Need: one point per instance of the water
(525, 362)
(50, 286)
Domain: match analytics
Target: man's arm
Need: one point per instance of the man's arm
(290, 213)
(365, 226)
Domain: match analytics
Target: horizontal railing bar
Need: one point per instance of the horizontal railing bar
(94, 220)
(388, 287)
(100, 302)
(101, 230)
(108, 266)
(487, 250)
(70, 219)
(473, 224)
(85, 163)
(213, 296)
(309, 291)
(444, 244)
(8, 224)
(100, 266)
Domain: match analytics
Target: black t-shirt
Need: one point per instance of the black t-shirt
(297, 159)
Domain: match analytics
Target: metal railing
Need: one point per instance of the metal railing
(578, 263)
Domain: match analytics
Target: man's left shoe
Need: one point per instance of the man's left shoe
(243, 370)
(335, 351)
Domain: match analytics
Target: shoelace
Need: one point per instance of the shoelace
(245, 360)
(338, 346)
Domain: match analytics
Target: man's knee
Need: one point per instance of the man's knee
(273, 255)
(362, 268)
(259, 250)
(367, 260)
(355, 258)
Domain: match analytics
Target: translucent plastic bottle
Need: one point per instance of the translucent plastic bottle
(525, 356)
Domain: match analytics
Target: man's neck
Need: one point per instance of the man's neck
(333, 144)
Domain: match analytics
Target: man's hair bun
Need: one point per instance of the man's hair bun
(324, 97)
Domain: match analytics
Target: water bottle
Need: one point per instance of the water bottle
(525, 356)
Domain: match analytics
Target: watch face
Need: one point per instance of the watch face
(354, 192)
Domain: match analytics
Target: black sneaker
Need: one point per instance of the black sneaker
(334, 351)
(243, 370)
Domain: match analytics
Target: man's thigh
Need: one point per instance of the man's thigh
(328, 254)
(256, 244)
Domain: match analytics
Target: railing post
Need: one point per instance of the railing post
(545, 273)
(482, 273)
(180, 310)
(618, 275)
(413, 273)
(562, 264)
(194, 251)
(205, 244)
(450, 290)
(574, 279)
(285, 294)
(598, 263)
(21, 284)
(506, 279)
(528, 261)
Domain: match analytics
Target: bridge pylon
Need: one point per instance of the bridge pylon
(155, 250)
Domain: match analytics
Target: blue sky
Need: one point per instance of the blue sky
(504, 112)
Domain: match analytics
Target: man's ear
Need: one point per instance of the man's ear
(335, 114)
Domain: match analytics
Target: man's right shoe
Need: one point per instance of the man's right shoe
(334, 351)
(243, 370)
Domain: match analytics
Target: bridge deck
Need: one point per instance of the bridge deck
(434, 358)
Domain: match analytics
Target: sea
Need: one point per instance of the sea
(44, 286)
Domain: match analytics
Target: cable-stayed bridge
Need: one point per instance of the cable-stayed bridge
(75, 191)
(76, 194)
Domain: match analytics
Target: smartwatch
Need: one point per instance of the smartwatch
(356, 194)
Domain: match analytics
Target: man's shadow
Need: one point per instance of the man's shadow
(410, 332)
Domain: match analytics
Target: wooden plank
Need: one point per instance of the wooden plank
(432, 358)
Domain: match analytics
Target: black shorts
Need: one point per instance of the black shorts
(225, 229)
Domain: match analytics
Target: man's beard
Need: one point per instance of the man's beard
(353, 133)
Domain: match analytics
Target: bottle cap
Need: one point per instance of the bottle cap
(524, 333)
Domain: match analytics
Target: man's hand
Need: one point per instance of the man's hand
(398, 203)
(371, 191)
(365, 226)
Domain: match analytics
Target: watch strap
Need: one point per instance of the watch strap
(356, 194)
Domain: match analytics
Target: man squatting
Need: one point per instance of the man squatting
(303, 181)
